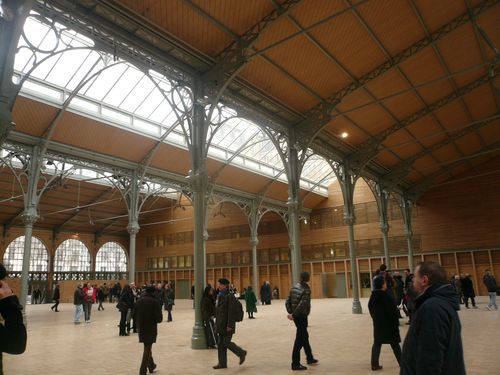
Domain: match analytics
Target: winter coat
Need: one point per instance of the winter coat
(468, 287)
(207, 307)
(87, 296)
(168, 298)
(385, 318)
(250, 300)
(433, 344)
(399, 288)
(490, 283)
(298, 302)
(127, 298)
(12, 331)
(265, 292)
(78, 297)
(225, 313)
(147, 314)
(57, 295)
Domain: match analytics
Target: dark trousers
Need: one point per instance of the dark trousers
(101, 307)
(224, 343)
(123, 321)
(466, 300)
(54, 307)
(87, 309)
(169, 318)
(301, 340)
(147, 360)
(376, 352)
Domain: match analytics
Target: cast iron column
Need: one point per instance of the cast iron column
(254, 241)
(132, 229)
(11, 26)
(406, 208)
(293, 208)
(199, 183)
(348, 181)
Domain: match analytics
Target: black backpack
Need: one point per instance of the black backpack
(238, 310)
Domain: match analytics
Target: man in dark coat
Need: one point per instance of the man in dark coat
(225, 323)
(12, 331)
(298, 306)
(433, 344)
(468, 291)
(78, 300)
(147, 313)
(56, 297)
(385, 317)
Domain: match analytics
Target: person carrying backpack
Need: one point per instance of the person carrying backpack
(228, 311)
(298, 306)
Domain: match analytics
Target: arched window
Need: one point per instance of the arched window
(13, 257)
(111, 258)
(72, 255)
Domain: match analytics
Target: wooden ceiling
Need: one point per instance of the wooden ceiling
(417, 79)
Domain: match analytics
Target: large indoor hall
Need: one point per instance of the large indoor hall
(333, 165)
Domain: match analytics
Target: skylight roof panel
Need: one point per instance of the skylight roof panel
(137, 95)
(105, 82)
(124, 86)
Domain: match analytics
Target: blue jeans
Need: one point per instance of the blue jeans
(78, 312)
(493, 300)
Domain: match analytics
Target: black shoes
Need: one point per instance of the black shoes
(298, 367)
(312, 361)
(152, 368)
(376, 368)
(243, 357)
(217, 366)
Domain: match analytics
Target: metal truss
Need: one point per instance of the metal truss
(232, 59)
(417, 190)
(398, 172)
(319, 116)
(370, 148)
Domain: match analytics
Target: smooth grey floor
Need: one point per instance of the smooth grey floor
(341, 341)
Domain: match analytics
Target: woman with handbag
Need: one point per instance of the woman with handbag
(251, 302)
(125, 304)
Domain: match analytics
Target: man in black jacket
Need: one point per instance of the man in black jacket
(433, 344)
(225, 323)
(298, 306)
(12, 331)
(56, 297)
(491, 285)
(147, 313)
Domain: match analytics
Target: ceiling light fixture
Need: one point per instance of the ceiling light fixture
(344, 135)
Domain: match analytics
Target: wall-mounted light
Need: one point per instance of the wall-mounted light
(344, 135)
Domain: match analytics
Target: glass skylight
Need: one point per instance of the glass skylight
(125, 96)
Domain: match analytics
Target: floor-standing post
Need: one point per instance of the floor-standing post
(199, 184)
(406, 208)
(294, 203)
(11, 26)
(348, 182)
(383, 198)
(30, 217)
(254, 241)
(133, 195)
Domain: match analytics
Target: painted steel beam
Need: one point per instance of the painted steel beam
(318, 117)
(232, 59)
(370, 148)
(402, 169)
(427, 182)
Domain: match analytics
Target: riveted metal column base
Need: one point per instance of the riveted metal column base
(198, 339)
(356, 307)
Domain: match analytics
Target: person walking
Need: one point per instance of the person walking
(100, 298)
(78, 301)
(250, 302)
(56, 297)
(468, 291)
(169, 301)
(491, 285)
(433, 344)
(147, 313)
(208, 314)
(225, 322)
(298, 306)
(385, 316)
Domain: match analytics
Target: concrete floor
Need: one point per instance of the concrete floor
(341, 341)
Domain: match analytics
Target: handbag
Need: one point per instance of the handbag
(122, 306)
(255, 309)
